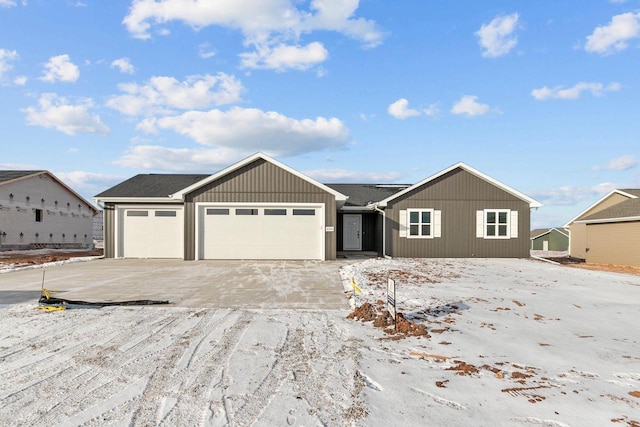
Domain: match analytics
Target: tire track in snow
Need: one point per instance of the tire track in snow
(86, 374)
(153, 401)
(310, 365)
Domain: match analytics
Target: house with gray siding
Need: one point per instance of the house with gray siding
(260, 208)
(39, 210)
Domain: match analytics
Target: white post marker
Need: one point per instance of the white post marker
(391, 299)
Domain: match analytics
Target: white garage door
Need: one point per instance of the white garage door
(261, 232)
(152, 233)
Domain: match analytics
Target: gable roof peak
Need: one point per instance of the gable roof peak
(256, 156)
(461, 165)
(630, 193)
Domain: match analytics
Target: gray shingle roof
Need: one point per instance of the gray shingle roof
(632, 191)
(9, 175)
(161, 185)
(626, 209)
(539, 232)
(152, 185)
(363, 194)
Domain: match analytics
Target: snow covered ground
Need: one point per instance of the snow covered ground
(511, 342)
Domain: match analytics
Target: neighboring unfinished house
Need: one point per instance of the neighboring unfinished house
(550, 239)
(609, 230)
(39, 210)
(260, 208)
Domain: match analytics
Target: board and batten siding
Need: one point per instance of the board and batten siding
(613, 243)
(259, 182)
(458, 195)
(109, 218)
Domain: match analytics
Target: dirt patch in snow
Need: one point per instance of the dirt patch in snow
(43, 256)
(625, 269)
(381, 318)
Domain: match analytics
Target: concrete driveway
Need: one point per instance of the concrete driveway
(210, 284)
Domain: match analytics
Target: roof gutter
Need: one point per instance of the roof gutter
(608, 220)
(374, 207)
(136, 200)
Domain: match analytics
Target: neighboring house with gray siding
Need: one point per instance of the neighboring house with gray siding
(39, 210)
(550, 239)
(609, 230)
(260, 208)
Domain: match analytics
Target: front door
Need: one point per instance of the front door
(352, 232)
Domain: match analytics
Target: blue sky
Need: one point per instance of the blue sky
(540, 95)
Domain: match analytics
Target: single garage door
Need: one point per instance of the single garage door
(262, 232)
(152, 233)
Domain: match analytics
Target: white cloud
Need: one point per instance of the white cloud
(431, 111)
(400, 109)
(6, 58)
(7, 3)
(615, 36)
(124, 65)
(621, 163)
(569, 195)
(82, 181)
(272, 27)
(497, 37)
(559, 92)
(179, 159)
(255, 17)
(55, 112)
(20, 81)
(18, 166)
(205, 52)
(250, 130)
(60, 68)
(283, 57)
(469, 105)
(161, 94)
(346, 175)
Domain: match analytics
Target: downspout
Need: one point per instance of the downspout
(384, 231)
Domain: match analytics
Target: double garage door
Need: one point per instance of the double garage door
(261, 232)
(279, 231)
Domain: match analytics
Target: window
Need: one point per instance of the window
(217, 211)
(496, 224)
(166, 213)
(133, 213)
(304, 212)
(38, 215)
(246, 211)
(275, 211)
(420, 223)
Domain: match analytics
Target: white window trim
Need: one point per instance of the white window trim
(431, 224)
(496, 237)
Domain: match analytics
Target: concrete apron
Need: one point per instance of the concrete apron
(206, 284)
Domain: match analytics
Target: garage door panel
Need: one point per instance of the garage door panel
(153, 233)
(274, 233)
